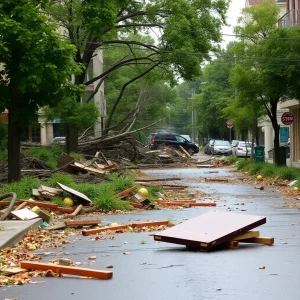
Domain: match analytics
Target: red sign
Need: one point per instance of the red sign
(229, 124)
(287, 118)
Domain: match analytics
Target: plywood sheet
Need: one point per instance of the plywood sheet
(74, 192)
(210, 229)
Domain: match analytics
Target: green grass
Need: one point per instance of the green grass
(232, 159)
(270, 170)
(49, 155)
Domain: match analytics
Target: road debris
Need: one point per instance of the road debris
(214, 229)
(60, 269)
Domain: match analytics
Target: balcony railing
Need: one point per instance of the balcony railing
(290, 19)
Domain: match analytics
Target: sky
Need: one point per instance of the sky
(233, 13)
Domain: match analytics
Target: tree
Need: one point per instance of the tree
(215, 94)
(185, 31)
(36, 69)
(267, 66)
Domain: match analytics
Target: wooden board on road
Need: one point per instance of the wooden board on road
(210, 229)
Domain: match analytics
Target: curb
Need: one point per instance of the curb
(16, 234)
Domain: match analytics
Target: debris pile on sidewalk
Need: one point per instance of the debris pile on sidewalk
(214, 230)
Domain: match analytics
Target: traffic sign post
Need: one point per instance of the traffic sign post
(229, 125)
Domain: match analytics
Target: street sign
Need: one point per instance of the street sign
(287, 118)
(229, 124)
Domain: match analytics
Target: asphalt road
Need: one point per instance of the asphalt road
(163, 271)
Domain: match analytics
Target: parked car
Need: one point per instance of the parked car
(234, 142)
(60, 140)
(242, 149)
(221, 147)
(173, 140)
(208, 147)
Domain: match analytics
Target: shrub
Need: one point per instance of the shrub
(254, 168)
(243, 163)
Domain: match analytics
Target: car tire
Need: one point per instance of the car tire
(191, 151)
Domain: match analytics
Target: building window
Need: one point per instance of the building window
(36, 133)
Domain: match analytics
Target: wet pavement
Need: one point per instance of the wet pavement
(160, 271)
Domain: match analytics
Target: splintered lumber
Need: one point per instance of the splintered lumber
(77, 223)
(259, 240)
(75, 212)
(104, 229)
(149, 224)
(65, 210)
(215, 179)
(87, 168)
(30, 265)
(136, 205)
(184, 151)
(210, 229)
(57, 226)
(173, 203)
(203, 204)
(46, 205)
(6, 203)
(125, 226)
(126, 192)
(206, 166)
(275, 180)
(44, 216)
(247, 235)
(20, 206)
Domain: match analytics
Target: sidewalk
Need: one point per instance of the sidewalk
(12, 231)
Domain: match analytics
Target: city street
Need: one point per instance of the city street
(151, 270)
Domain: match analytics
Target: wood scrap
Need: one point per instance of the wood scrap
(247, 235)
(184, 151)
(215, 179)
(104, 229)
(259, 240)
(82, 167)
(126, 192)
(206, 166)
(24, 214)
(59, 269)
(75, 212)
(80, 223)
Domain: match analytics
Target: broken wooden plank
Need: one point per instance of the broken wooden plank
(210, 229)
(203, 204)
(75, 212)
(260, 240)
(136, 205)
(87, 168)
(150, 224)
(158, 179)
(6, 203)
(57, 226)
(104, 229)
(46, 205)
(44, 216)
(184, 151)
(170, 203)
(20, 206)
(275, 180)
(125, 192)
(80, 223)
(206, 166)
(247, 235)
(31, 265)
(215, 179)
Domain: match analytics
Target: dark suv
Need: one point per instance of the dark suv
(173, 140)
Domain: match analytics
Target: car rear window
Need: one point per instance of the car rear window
(222, 143)
(245, 145)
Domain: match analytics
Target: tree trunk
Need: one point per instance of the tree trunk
(276, 128)
(14, 137)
